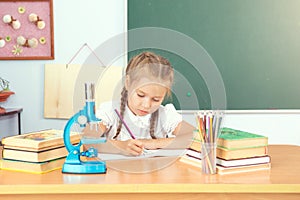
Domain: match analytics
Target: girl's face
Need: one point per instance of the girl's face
(145, 99)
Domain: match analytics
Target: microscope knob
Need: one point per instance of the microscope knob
(82, 119)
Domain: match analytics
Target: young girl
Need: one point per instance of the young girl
(150, 125)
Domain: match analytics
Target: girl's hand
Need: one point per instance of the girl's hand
(131, 147)
(134, 147)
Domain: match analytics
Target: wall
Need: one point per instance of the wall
(75, 22)
(27, 77)
(281, 127)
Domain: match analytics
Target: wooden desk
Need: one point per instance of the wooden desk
(13, 111)
(176, 181)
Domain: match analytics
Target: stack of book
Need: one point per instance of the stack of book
(237, 151)
(36, 152)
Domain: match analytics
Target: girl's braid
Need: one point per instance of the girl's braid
(137, 62)
(153, 120)
(124, 96)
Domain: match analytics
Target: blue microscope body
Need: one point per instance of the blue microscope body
(73, 163)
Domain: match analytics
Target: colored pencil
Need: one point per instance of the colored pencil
(208, 123)
(124, 123)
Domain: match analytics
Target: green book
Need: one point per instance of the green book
(232, 139)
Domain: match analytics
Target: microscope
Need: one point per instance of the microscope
(86, 119)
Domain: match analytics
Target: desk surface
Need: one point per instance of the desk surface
(177, 177)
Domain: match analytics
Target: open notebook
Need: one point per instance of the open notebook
(146, 154)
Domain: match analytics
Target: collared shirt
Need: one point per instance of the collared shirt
(168, 119)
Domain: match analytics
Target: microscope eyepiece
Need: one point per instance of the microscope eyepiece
(89, 91)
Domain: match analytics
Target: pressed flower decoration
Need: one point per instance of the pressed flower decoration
(26, 29)
(34, 18)
(2, 42)
(8, 38)
(17, 50)
(42, 40)
(21, 10)
(22, 41)
(10, 20)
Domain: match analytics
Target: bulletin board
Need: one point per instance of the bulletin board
(26, 30)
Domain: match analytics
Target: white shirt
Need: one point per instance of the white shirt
(168, 119)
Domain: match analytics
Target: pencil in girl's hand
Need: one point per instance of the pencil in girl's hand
(127, 128)
(124, 123)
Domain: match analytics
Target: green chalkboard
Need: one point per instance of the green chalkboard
(254, 44)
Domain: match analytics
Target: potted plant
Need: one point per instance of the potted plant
(4, 90)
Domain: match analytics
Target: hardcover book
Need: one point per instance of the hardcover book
(241, 169)
(35, 156)
(31, 167)
(236, 139)
(232, 162)
(1, 150)
(222, 170)
(196, 145)
(237, 151)
(37, 141)
(241, 153)
(190, 160)
(233, 139)
(234, 153)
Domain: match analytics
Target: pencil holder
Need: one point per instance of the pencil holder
(208, 158)
(209, 126)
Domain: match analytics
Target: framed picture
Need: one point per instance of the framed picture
(26, 30)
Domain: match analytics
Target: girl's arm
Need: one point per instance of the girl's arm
(128, 147)
(157, 143)
(183, 133)
(135, 146)
(163, 142)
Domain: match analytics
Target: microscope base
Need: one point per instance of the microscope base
(88, 167)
